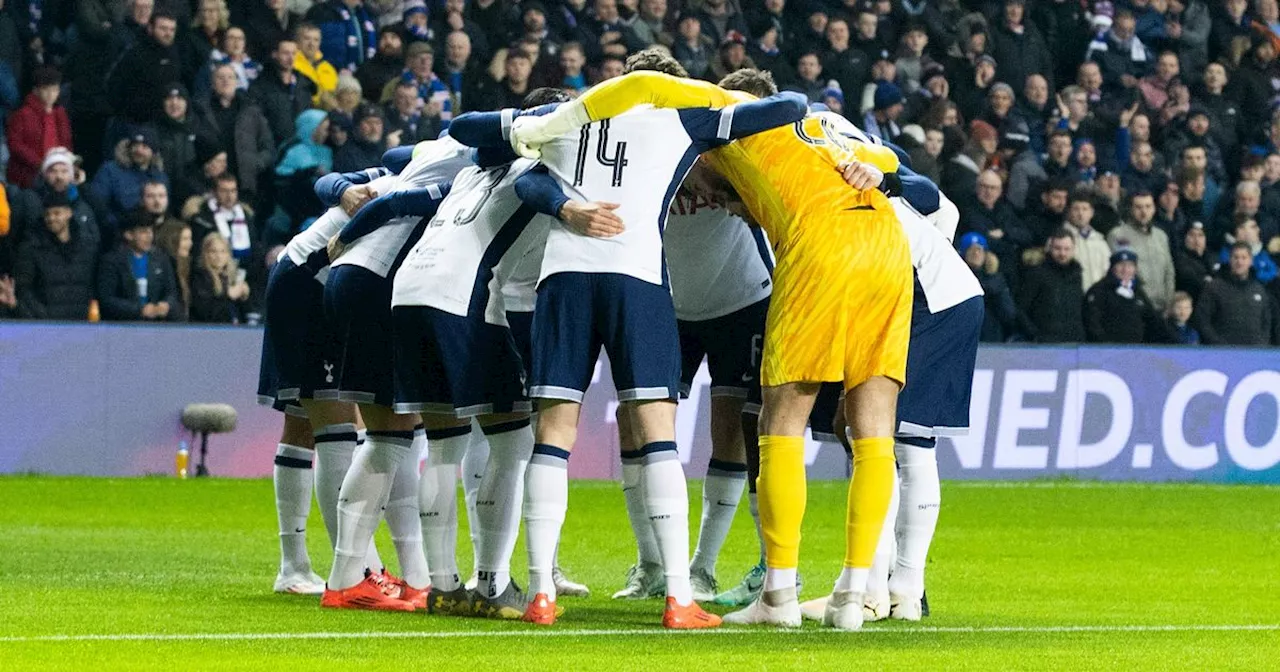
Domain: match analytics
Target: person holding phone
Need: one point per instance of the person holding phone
(219, 292)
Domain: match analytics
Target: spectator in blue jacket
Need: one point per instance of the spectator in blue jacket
(1247, 232)
(348, 35)
(119, 182)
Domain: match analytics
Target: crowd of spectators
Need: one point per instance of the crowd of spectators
(1116, 163)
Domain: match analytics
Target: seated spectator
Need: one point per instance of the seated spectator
(53, 273)
(347, 32)
(155, 206)
(1117, 310)
(404, 116)
(514, 85)
(999, 105)
(573, 60)
(1122, 57)
(37, 127)
(176, 143)
(1048, 214)
(926, 158)
(219, 292)
(119, 181)
(234, 52)
(438, 104)
(1051, 295)
(604, 34)
(1001, 315)
(1138, 233)
(348, 95)
(136, 280)
(693, 49)
(1234, 309)
(650, 24)
(279, 93)
(226, 216)
(882, 120)
(1092, 251)
(58, 175)
(1022, 163)
(721, 17)
(311, 64)
(365, 147)
(1247, 205)
(268, 22)
(176, 242)
(1192, 263)
(1192, 195)
(386, 64)
(1036, 110)
(992, 216)
(1246, 231)
(1138, 172)
(464, 75)
(1179, 318)
(233, 123)
(732, 56)
(1169, 216)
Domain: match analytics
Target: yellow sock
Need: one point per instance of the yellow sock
(781, 492)
(870, 491)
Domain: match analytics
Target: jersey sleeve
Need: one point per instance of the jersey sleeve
(483, 129)
(919, 191)
(643, 87)
(716, 127)
(413, 202)
(877, 155)
(329, 189)
(397, 158)
(539, 190)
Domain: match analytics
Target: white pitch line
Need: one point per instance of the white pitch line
(632, 632)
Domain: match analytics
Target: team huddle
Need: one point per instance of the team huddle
(472, 281)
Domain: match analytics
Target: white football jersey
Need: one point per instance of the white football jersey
(943, 275)
(716, 261)
(461, 262)
(520, 292)
(637, 160)
(432, 164)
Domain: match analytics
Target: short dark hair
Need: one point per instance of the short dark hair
(656, 60)
(226, 177)
(1239, 219)
(156, 16)
(758, 83)
(1241, 245)
(1082, 194)
(46, 75)
(544, 95)
(154, 183)
(1059, 184)
(1059, 233)
(1060, 133)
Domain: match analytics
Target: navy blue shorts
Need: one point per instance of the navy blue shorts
(357, 302)
(522, 333)
(453, 365)
(940, 363)
(731, 344)
(299, 350)
(633, 320)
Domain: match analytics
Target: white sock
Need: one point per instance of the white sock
(666, 498)
(917, 517)
(402, 515)
(497, 517)
(335, 444)
(371, 560)
(886, 549)
(546, 497)
(776, 578)
(753, 505)
(473, 468)
(364, 494)
(721, 492)
(633, 493)
(852, 580)
(292, 478)
(438, 504)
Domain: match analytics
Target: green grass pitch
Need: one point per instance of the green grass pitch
(175, 575)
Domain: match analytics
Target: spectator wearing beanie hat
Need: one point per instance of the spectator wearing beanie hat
(732, 56)
(136, 281)
(882, 120)
(766, 51)
(414, 23)
(934, 87)
(38, 126)
(367, 142)
(119, 181)
(1023, 164)
(999, 106)
(420, 62)
(58, 175)
(54, 271)
(1192, 263)
(1117, 310)
(176, 142)
(999, 321)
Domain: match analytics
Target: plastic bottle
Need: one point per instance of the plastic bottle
(95, 313)
(180, 460)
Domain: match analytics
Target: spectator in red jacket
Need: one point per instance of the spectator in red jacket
(36, 127)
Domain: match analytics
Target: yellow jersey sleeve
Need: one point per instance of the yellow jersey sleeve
(645, 87)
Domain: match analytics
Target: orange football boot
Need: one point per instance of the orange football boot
(541, 610)
(368, 594)
(418, 598)
(688, 617)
